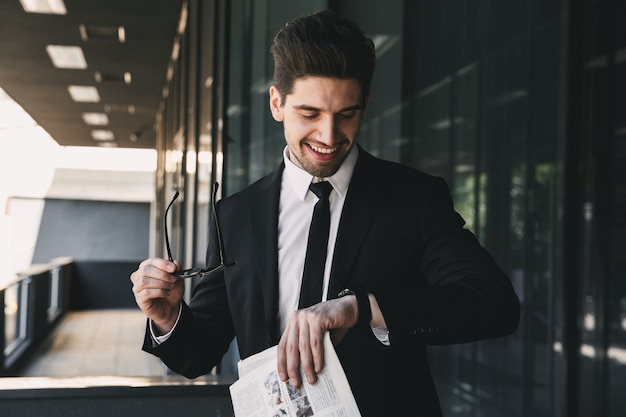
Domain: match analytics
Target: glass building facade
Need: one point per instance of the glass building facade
(520, 106)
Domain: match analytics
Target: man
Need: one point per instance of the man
(400, 272)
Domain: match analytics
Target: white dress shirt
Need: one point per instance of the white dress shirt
(295, 213)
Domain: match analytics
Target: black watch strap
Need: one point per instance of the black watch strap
(362, 301)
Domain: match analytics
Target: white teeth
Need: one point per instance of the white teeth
(323, 150)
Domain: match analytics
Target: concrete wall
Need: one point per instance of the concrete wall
(93, 230)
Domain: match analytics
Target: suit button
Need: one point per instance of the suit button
(424, 331)
(432, 330)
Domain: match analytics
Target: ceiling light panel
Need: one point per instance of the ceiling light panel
(84, 94)
(102, 77)
(44, 6)
(102, 135)
(119, 108)
(107, 144)
(102, 33)
(71, 57)
(95, 119)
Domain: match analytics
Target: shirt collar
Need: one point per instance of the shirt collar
(299, 179)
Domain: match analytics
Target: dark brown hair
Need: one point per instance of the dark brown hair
(323, 44)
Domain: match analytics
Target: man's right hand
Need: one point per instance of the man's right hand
(157, 292)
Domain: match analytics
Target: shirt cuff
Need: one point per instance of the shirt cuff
(161, 339)
(382, 335)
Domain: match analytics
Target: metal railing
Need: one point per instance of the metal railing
(33, 305)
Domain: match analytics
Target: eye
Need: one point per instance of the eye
(347, 115)
(309, 116)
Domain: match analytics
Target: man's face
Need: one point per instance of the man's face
(321, 119)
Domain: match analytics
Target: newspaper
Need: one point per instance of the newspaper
(260, 393)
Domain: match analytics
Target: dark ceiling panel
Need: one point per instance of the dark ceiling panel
(28, 76)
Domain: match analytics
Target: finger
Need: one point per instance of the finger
(162, 281)
(317, 348)
(148, 294)
(164, 264)
(159, 263)
(293, 359)
(160, 271)
(281, 359)
(152, 268)
(306, 354)
(288, 355)
(147, 290)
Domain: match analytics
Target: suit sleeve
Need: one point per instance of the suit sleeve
(457, 293)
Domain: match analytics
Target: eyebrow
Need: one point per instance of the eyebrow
(312, 108)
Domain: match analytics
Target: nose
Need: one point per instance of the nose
(327, 131)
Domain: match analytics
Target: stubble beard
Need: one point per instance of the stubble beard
(316, 169)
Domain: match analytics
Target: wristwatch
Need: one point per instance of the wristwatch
(362, 301)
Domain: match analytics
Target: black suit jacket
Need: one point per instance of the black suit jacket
(400, 238)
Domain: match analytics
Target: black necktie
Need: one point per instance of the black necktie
(313, 276)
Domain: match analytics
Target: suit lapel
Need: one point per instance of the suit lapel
(356, 217)
(264, 225)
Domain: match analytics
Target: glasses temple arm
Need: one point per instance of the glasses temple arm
(167, 239)
(217, 224)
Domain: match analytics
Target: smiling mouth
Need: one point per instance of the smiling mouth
(323, 150)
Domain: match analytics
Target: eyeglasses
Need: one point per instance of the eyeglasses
(199, 272)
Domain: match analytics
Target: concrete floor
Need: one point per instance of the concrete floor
(96, 343)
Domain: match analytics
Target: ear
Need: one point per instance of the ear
(275, 104)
